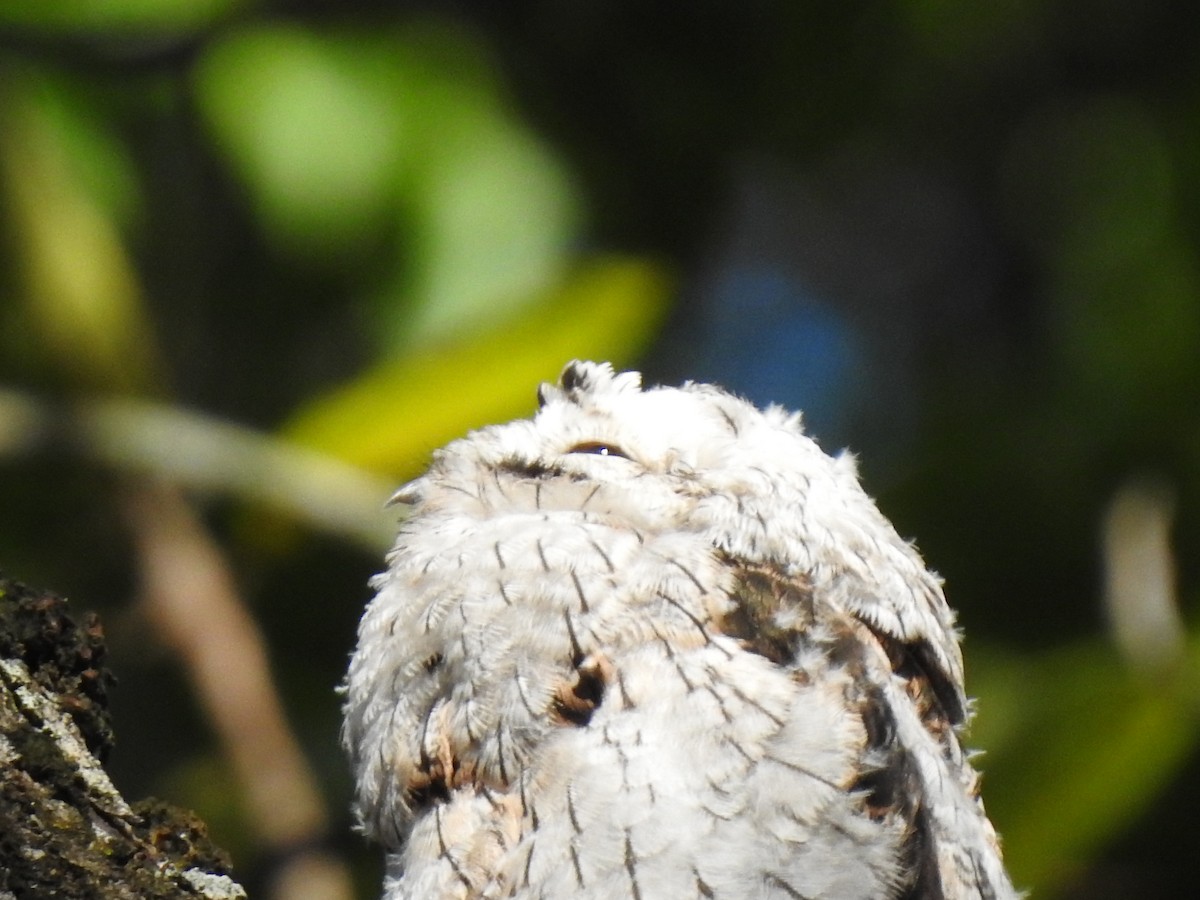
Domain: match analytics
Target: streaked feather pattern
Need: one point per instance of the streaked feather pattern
(657, 644)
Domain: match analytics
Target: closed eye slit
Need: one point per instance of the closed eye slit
(599, 448)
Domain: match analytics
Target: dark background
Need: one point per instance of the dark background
(962, 237)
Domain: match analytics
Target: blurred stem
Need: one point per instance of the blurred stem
(189, 595)
(1139, 575)
(203, 452)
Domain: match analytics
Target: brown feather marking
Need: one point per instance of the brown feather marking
(889, 784)
(575, 701)
(760, 593)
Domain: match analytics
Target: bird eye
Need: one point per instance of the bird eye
(599, 448)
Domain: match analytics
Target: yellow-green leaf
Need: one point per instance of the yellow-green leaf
(82, 299)
(394, 415)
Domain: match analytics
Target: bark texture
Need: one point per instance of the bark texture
(65, 830)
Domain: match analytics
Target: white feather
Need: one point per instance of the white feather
(656, 644)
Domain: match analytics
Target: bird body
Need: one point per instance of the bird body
(657, 644)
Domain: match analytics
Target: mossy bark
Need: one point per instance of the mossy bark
(65, 831)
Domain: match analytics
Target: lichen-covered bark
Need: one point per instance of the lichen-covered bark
(65, 831)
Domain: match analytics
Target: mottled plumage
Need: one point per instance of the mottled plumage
(656, 644)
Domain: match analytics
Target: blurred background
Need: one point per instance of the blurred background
(257, 259)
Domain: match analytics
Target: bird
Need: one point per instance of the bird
(655, 643)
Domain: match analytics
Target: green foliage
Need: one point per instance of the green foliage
(391, 417)
(339, 136)
(68, 186)
(1078, 745)
(311, 124)
(105, 17)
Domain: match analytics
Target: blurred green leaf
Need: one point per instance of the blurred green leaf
(393, 416)
(492, 215)
(1077, 746)
(93, 15)
(313, 125)
(98, 160)
(82, 296)
(344, 140)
